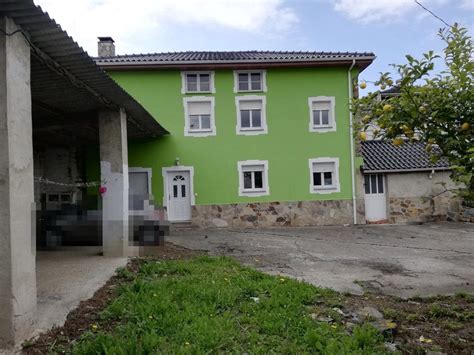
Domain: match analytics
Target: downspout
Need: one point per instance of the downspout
(351, 138)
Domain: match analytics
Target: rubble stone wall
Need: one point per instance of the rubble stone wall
(272, 214)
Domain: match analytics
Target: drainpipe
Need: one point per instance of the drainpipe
(351, 137)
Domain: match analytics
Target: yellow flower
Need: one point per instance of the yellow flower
(94, 326)
(282, 279)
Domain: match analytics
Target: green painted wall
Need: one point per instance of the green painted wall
(287, 146)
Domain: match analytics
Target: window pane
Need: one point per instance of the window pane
(194, 122)
(367, 184)
(317, 179)
(204, 81)
(258, 180)
(247, 180)
(205, 87)
(243, 82)
(328, 178)
(256, 118)
(205, 121)
(380, 180)
(245, 118)
(175, 191)
(191, 82)
(316, 117)
(325, 117)
(256, 81)
(373, 183)
(183, 190)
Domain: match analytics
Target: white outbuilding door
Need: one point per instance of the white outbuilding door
(375, 197)
(179, 196)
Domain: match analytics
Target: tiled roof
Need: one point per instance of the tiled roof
(233, 57)
(385, 157)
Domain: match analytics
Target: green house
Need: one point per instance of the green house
(256, 138)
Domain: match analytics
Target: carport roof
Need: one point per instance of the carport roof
(384, 157)
(59, 63)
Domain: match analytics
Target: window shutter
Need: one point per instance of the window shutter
(199, 108)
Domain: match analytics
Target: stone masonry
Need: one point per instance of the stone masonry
(269, 214)
(422, 209)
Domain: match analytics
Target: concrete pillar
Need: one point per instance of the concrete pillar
(114, 176)
(17, 232)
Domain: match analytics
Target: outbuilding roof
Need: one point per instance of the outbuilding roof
(384, 157)
(236, 58)
(65, 78)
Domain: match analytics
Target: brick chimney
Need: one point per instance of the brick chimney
(106, 47)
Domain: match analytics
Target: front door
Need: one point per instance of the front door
(375, 198)
(179, 197)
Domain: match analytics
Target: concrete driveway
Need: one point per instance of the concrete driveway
(400, 260)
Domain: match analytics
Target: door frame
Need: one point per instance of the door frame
(173, 169)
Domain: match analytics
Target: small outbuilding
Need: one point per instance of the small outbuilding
(404, 184)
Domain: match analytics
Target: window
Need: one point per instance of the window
(251, 118)
(249, 80)
(324, 175)
(199, 116)
(373, 184)
(321, 114)
(193, 82)
(253, 178)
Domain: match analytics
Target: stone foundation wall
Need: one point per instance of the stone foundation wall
(421, 209)
(271, 214)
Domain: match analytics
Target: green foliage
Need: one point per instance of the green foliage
(214, 305)
(435, 109)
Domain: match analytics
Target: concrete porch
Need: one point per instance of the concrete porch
(65, 278)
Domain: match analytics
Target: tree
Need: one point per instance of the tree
(436, 109)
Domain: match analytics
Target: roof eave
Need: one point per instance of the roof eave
(382, 171)
(361, 62)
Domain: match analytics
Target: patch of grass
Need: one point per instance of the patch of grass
(215, 305)
(391, 313)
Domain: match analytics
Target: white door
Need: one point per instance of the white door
(375, 198)
(179, 197)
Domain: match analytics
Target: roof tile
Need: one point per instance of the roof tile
(382, 156)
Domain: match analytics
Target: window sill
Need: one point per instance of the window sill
(253, 91)
(199, 92)
(203, 133)
(322, 129)
(254, 193)
(251, 131)
(325, 189)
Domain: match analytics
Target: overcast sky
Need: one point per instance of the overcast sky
(389, 28)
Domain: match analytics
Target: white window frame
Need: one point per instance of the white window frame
(331, 127)
(263, 75)
(202, 132)
(241, 165)
(251, 131)
(335, 187)
(177, 168)
(184, 82)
